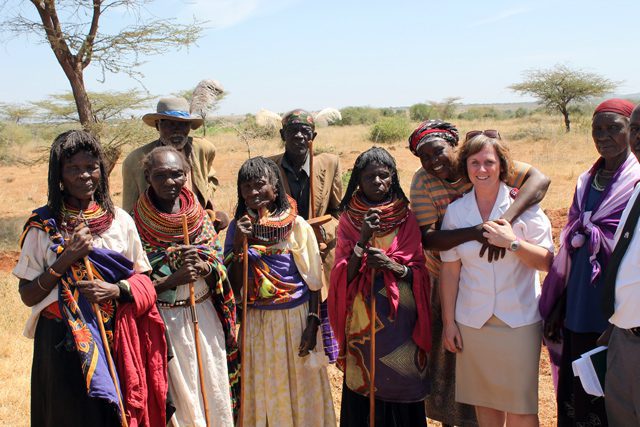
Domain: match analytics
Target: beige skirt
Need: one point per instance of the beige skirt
(498, 366)
(281, 388)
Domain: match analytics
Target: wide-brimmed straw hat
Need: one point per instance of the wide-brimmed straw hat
(173, 109)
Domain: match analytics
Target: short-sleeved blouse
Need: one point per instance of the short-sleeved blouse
(35, 257)
(431, 195)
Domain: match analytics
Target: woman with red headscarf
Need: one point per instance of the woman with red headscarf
(572, 291)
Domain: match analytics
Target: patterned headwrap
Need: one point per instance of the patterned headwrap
(298, 116)
(432, 129)
(615, 105)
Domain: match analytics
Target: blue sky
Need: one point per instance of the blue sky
(282, 54)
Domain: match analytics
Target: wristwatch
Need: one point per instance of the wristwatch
(515, 245)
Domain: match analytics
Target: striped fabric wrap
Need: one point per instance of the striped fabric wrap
(76, 311)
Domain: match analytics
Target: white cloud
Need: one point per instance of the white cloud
(501, 16)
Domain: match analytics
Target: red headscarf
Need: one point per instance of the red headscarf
(615, 105)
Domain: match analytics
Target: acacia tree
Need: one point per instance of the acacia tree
(72, 30)
(559, 86)
(16, 112)
(104, 105)
(112, 119)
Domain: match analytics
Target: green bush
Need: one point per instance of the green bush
(475, 113)
(420, 112)
(521, 112)
(392, 112)
(359, 116)
(390, 129)
(346, 176)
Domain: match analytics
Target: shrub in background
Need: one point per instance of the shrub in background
(359, 116)
(420, 112)
(390, 129)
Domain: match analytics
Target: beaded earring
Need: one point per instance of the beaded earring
(61, 186)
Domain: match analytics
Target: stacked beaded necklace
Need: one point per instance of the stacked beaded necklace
(97, 219)
(394, 212)
(162, 229)
(269, 229)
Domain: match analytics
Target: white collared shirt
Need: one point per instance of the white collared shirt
(507, 287)
(627, 305)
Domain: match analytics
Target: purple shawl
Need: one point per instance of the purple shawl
(596, 228)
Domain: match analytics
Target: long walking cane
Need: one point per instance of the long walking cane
(103, 335)
(243, 333)
(105, 346)
(372, 353)
(196, 335)
(312, 195)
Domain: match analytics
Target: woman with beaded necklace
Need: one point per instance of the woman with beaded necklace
(378, 232)
(572, 292)
(158, 215)
(70, 380)
(283, 384)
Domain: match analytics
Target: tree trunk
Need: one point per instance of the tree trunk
(567, 122)
(85, 112)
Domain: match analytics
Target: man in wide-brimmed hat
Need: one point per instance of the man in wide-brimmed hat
(173, 121)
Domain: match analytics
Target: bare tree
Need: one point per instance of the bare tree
(72, 30)
(559, 86)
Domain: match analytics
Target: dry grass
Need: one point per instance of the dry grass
(540, 141)
(15, 356)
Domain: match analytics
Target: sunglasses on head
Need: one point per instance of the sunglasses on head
(491, 133)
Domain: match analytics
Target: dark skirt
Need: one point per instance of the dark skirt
(441, 403)
(354, 412)
(58, 392)
(575, 406)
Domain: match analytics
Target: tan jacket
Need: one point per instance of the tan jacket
(203, 176)
(327, 189)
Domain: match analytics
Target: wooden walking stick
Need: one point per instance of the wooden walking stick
(103, 335)
(196, 333)
(243, 332)
(372, 353)
(312, 196)
(105, 346)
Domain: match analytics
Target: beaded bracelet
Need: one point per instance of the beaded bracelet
(237, 257)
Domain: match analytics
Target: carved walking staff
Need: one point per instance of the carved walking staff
(105, 346)
(196, 332)
(372, 353)
(243, 332)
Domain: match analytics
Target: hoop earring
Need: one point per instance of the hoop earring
(61, 186)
